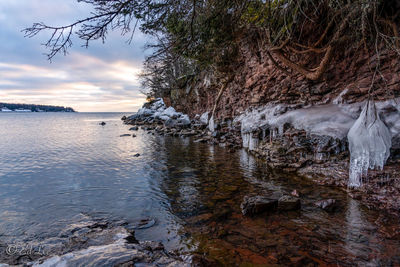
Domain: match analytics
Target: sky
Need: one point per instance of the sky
(103, 77)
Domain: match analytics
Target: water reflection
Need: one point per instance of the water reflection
(206, 186)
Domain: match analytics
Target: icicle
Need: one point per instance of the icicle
(274, 133)
(263, 134)
(369, 143)
(246, 139)
(280, 129)
(253, 142)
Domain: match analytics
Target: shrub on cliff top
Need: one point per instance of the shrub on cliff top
(193, 35)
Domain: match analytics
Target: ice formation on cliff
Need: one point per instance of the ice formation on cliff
(328, 120)
(371, 136)
(211, 124)
(369, 144)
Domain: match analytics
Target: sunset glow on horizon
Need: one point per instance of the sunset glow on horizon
(103, 77)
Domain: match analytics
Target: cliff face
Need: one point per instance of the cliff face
(319, 155)
(257, 82)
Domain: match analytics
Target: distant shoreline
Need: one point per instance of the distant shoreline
(26, 108)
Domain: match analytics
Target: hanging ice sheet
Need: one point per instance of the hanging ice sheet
(369, 143)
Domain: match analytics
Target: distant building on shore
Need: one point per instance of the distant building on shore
(22, 110)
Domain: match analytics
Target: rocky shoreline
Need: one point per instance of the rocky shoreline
(323, 158)
(91, 242)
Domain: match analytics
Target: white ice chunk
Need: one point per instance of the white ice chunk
(145, 112)
(339, 99)
(170, 112)
(158, 103)
(369, 143)
(204, 118)
(211, 125)
(184, 119)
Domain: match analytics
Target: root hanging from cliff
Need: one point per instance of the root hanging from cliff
(211, 126)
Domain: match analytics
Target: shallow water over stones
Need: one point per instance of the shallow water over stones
(183, 193)
(208, 201)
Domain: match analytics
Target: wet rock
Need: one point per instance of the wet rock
(184, 120)
(97, 243)
(123, 118)
(170, 123)
(286, 203)
(215, 134)
(136, 155)
(328, 205)
(201, 261)
(152, 245)
(134, 128)
(131, 237)
(295, 193)
(257, 204)
(133, 135)
(124, 135)
(119, 253)
(102, 123)
(145, 223)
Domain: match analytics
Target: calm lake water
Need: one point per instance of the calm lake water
(55, 167)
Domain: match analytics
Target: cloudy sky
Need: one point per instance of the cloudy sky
(100, 78)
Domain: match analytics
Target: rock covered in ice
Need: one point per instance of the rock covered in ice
(157, 109)
(158, 104)
(369, 144)
(184, 120)
(145, 112)
(170, 112)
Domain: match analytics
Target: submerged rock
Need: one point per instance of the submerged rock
(327, 204)
(257, 204)
(134, 128)
(286, 203)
